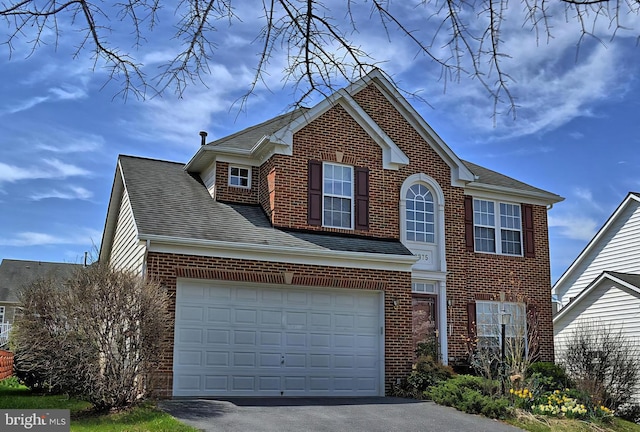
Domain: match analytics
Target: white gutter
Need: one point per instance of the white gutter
(284, 254)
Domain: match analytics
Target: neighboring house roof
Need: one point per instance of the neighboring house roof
(627, 280)
(14, 274)
(167, 201)
(594, 248)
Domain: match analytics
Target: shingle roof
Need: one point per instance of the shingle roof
(168, 201)
(247, 138)
(630, 278)
(14, 274)
(489, 177)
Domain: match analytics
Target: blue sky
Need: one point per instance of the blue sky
(62, 127)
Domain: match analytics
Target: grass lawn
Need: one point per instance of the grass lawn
(143, 418)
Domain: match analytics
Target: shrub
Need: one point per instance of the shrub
(97, 337)
(427, 372)
(11, 382)
(471, 394)
(547, 377)
(602, 362)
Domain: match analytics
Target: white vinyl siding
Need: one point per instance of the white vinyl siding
(127, 252)
(607, 304)
(618, 250)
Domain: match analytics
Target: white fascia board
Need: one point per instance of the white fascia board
(113, 210)
(207, 154)
(429, 275)
(459, 172)
(323, 257)
(595, 240)
(482, 190)
(393, 157)
(593, 285)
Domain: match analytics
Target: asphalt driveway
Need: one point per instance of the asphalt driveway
(325, 414)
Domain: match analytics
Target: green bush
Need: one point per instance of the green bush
(11, 382)
(428, 372)
(471, 394)
(548, 376)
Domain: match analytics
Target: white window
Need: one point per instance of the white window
(337, 196)
(420, 217)
(1, 314)
(489, 324)
(240, 177)
(423, 288)
(497, 227)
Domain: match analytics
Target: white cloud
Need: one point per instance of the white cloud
(179, 120)
(72, 193)
(49, 169)
(84, 236)
(574, 227)
(68, 93)
(27, 104)
(64, 143)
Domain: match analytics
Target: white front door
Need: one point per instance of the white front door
(249, 340)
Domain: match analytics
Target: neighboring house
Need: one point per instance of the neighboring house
(308, 254)
(602, 286)
(15, 274)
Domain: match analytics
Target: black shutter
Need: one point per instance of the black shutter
(471, 321)
(361, 198)
(314, 202)
(468, 222)
(528, 234)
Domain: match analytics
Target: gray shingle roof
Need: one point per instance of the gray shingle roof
(14, 274)
(492, 178)
(247, 138)
(630, 278)
(168, 201)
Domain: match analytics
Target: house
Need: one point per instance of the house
(15, 274)
(602, 285)
(306, 255)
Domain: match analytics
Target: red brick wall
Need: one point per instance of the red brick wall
(396, 285)
(224, 192)
(6, 364)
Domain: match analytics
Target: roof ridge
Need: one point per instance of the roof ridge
(149, 159)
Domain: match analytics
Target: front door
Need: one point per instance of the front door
(425, 331)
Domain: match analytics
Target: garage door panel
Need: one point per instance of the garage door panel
(218, 337)
(271, 318)
(276, 341)
(217, 315)
(217, 359)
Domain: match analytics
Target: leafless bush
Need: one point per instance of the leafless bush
(602, 362)
(96, 336)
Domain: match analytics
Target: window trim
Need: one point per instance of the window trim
(351, 197)
(510, 331)
(239, 167)
(497, 227)
(438, 209)
(433, 233)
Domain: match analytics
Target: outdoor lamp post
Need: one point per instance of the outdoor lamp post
(505, 319)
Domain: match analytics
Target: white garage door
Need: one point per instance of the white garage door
(235, 340)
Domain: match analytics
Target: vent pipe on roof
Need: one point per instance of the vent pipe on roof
(203, 136)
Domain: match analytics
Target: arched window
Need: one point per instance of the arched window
(420, 225)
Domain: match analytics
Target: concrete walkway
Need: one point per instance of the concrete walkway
(325, 414)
